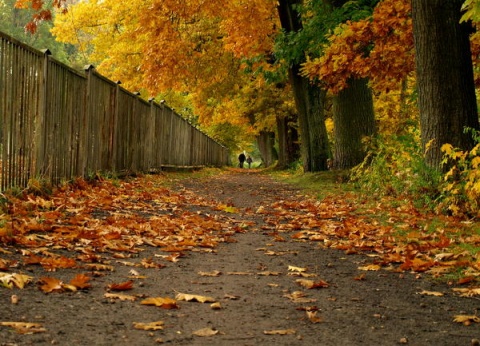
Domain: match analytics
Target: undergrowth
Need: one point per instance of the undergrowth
(396, 167)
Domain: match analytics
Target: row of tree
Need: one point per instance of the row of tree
(265, 67)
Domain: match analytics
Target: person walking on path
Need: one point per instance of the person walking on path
(249, 161)
(241, 159)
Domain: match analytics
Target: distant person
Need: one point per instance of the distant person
(241, 159)
(249, 161)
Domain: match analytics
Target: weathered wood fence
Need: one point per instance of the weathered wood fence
(57, 123)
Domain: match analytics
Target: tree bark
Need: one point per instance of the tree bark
(353, 118)
(266, 146)
(288, 147)
(309, 100)
(446, 87)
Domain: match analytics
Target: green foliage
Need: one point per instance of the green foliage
(318, 20)
(461, 185)
(396, 167)
(472, 10)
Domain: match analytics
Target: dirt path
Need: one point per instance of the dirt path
(255, 289)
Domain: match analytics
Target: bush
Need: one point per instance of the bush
(395, 166)
(461, 184)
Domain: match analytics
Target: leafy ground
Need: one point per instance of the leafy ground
(235, 258)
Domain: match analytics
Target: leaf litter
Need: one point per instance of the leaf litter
(104, 221)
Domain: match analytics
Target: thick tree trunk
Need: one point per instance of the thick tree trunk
(266, 146)
(444, 75)
(309, 100)
(288, 147)
(354, 119)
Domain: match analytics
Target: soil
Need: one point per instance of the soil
(383, 308)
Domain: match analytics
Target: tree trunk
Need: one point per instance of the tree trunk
(444, 75)
(288, 147)
(354, 119)
(266, 146)
(309, 100)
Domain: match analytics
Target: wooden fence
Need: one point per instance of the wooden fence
(57, 123)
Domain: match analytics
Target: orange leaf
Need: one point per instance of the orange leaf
(81, 281)
(124, 286)
(50, 284)
(166, 303)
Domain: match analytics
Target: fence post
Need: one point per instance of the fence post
(113, 143)
(42, 162)
(84, 161)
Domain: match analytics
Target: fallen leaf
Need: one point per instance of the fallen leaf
(296, 269)
(165, 303)
(14, 279)
(467, 292)
(466, 280)
(149, 263)
(49, 284)
(205, 332)
(279, 332)
(466, 319)
(360, 277)
(268, 273)
(212, 273)
(194, 298)
(80, 281)
(133, 272)
(158, 325)
(239, 273)
(370, 267)
(431, 293)
(216, 306)
(97, 266)
(299, 297)
(231, 297)
(312, 316)
(119, 296)
(310, 284)
(124, 286)
(24, 327)
(302, 275)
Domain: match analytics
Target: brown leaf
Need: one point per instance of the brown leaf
(310, 284)
(360, 277)
(80, 281)
(124, 286)
(165, 303)
(312, 316)
(49, 284)
(97, 266)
